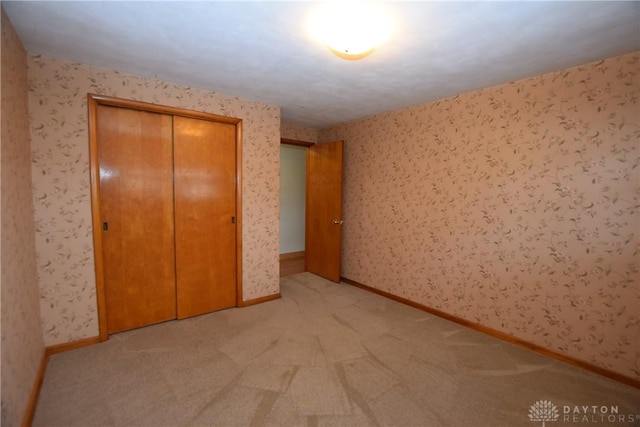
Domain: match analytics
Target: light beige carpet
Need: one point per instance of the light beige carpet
(324, 355)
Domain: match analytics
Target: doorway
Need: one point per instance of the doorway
(293, 171)
(322, 209)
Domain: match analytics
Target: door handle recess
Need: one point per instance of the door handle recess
(338, 221)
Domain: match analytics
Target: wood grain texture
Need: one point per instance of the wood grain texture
(292, 263)
(205, 215)
(233, 128)
(96, 221)
(323, 207)
(162, 109)
(136, 207)
(239, 220)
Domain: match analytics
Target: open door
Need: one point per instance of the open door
(324, 210)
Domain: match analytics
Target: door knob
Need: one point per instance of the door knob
(338, 221)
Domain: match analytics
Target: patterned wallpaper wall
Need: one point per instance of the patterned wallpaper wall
(298, 132)
(22, 344)
(58, 109)
(516, 207)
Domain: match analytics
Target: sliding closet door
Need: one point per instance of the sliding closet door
(205, 215)
(136, 209)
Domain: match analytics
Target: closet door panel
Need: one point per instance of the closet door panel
(136, 207)
(205, 211)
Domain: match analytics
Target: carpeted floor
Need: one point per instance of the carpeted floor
(323, 355)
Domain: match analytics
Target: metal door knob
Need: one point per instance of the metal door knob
(338, 221)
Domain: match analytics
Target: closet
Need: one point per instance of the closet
(165, 199)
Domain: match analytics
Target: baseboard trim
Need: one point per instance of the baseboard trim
(32, 404)
(292, 255)
(503, 336)
(292, 263)
(260, 300)
(73, 345)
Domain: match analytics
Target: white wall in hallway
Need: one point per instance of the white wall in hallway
(293, 164)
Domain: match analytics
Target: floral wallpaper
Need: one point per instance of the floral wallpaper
(298, 132)
(22, 343)
(516, 207)
(61, 186)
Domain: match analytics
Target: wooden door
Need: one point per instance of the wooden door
(324, 210)
(136, 209)
(205, 215)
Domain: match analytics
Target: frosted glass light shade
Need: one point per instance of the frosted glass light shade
(351, 29)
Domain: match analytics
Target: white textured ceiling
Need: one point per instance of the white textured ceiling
(261, 50)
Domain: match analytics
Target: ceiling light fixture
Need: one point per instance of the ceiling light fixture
(351, 29)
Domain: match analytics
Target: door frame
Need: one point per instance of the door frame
(93, 100)
(296, 256)
(287, 141)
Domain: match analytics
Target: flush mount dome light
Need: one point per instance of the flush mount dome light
(351, 29)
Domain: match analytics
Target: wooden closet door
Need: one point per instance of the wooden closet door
(136, 207)
(205, 213)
